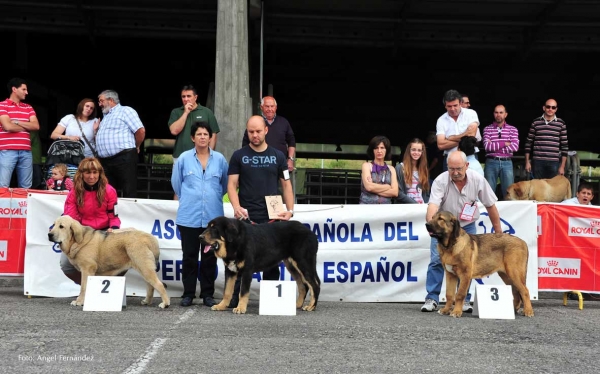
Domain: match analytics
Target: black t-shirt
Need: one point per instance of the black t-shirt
(259, 174)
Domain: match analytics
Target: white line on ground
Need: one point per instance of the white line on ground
(140, 365)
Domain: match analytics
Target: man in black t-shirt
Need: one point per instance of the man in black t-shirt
(256, 169)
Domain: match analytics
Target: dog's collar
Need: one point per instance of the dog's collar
(93, 187)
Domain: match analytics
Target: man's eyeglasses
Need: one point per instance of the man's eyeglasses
(550, 107)
(452, 170)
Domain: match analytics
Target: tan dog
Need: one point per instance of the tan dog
(555, 190)
(467, 256)
(95, 252)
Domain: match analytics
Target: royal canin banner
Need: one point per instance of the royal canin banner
(568, 247)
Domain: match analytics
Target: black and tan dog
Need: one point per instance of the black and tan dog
(247, 248)
(466, 256)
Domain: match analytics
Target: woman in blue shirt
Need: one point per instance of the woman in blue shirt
(199, 180)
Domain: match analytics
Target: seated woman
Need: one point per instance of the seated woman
(467, 145)
(92, 202)
(379, 183)
(413, 174)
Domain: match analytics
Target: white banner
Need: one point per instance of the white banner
(367, 253)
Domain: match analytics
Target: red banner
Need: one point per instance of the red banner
(568, 247)
(13, 220)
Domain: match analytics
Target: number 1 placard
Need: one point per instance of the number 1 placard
(493, 302)
(105, 294)
(277, 298)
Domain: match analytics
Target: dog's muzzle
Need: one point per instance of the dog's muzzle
(211, 247)
(429, 228)
(51, 238)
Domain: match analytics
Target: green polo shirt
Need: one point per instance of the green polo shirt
(183, 142)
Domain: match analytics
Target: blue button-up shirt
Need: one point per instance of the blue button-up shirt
(117, 131)
(200, 191)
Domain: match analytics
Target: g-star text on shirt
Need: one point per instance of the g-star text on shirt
(259, 160)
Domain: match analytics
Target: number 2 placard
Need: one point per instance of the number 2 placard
(105, 294)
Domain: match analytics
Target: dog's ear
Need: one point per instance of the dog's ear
(456, 228)
(518, 192)
(77, 231)
(231, 231)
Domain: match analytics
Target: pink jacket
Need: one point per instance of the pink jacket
(68, 184)
(90, 214)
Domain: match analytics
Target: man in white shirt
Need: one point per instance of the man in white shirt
(585, 195)
(454, 124)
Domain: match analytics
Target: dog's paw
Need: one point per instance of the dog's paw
(523, 312)
(76, 303)
(309, 308)
(239, 310)
(444, 311)
(145, 302)
(220, 306)
(163, 306)
(456, 313)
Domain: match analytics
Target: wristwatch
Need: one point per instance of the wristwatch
(291, 211)
(59, 138)
(291, 158)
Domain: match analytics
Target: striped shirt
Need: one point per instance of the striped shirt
(117, 129)
(15, 141)
(495, 139)
(547, 139)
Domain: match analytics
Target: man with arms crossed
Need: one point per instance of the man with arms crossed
(457, 191)
(256, 169)
(17, 119)
(454, 124)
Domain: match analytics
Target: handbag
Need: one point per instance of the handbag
(86, 139)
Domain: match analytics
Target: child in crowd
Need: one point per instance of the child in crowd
(59, 180)
(413, 174)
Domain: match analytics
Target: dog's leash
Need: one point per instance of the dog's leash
(247, 219)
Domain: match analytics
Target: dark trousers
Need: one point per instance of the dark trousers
(545, 169)
(121, 171)
(190, 245)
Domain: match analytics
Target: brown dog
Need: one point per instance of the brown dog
(467, 256)
(95, 252)
(554, 190)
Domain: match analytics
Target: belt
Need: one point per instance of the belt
(120, 153)
(499, 158)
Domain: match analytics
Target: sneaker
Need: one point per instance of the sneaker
(467, 308)
(186, 301)
(429, 306)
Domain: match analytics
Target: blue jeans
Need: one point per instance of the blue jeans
(498, 168)
(544, 169)
(435, 271)
(22, 161)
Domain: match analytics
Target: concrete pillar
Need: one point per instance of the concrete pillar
(233, 104)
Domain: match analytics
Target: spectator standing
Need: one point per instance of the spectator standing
(413, 168)
(546, 147)
(500, 141)
(118, 142)
(80, 127)
(199, 180)
(379, 183)
(280, 134)
(454, 124)
(17, 120)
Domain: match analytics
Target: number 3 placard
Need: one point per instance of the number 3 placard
(277, 298)
(493, 302)
(105, 294)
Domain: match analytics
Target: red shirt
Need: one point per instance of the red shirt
(15, 141)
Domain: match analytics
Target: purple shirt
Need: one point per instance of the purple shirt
(495, 139)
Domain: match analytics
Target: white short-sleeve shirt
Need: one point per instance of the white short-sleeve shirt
(72, 129)
(447, 126)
